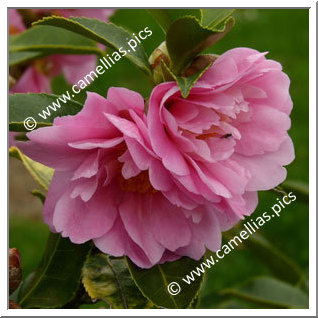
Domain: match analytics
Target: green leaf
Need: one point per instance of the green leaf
(50, 40)
(154, 282)
(57, 278)
(16, 58)
(165, 17)
(108, 34)
(22, 106)
(186, 83)
(108, 278)
(270, 291)
(212, 18)
(195, 302)
(186, 38)
(41, 173)
(280, 265)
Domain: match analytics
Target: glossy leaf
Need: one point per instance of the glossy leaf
(153, 282)
(50, 40)
(16, 58)
(186, 83)
(195, 302)
(108, 34)
(40, 173)
(270, 292)
(55, 281)
(186, 38)
(211, 18)
(280, 265)
(22, 106)
(108, 278)
(165, 17)
(21, 57)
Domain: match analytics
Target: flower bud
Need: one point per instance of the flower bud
(15, 272)
(160, 74)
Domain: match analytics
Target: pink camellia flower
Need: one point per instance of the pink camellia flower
(37, 77)
(33, 79)
(15, 22)
(166, 185)
(109, 186)
(228, 138)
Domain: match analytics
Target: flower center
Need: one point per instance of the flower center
(139, 184)
(205, 136)
(44, 66)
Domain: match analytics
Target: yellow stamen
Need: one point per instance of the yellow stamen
(44, 66)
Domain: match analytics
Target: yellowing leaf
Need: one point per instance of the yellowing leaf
(40, 173)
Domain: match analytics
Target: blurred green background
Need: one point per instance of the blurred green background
(284, 33)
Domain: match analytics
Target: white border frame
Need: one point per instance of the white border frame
(312, 162)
